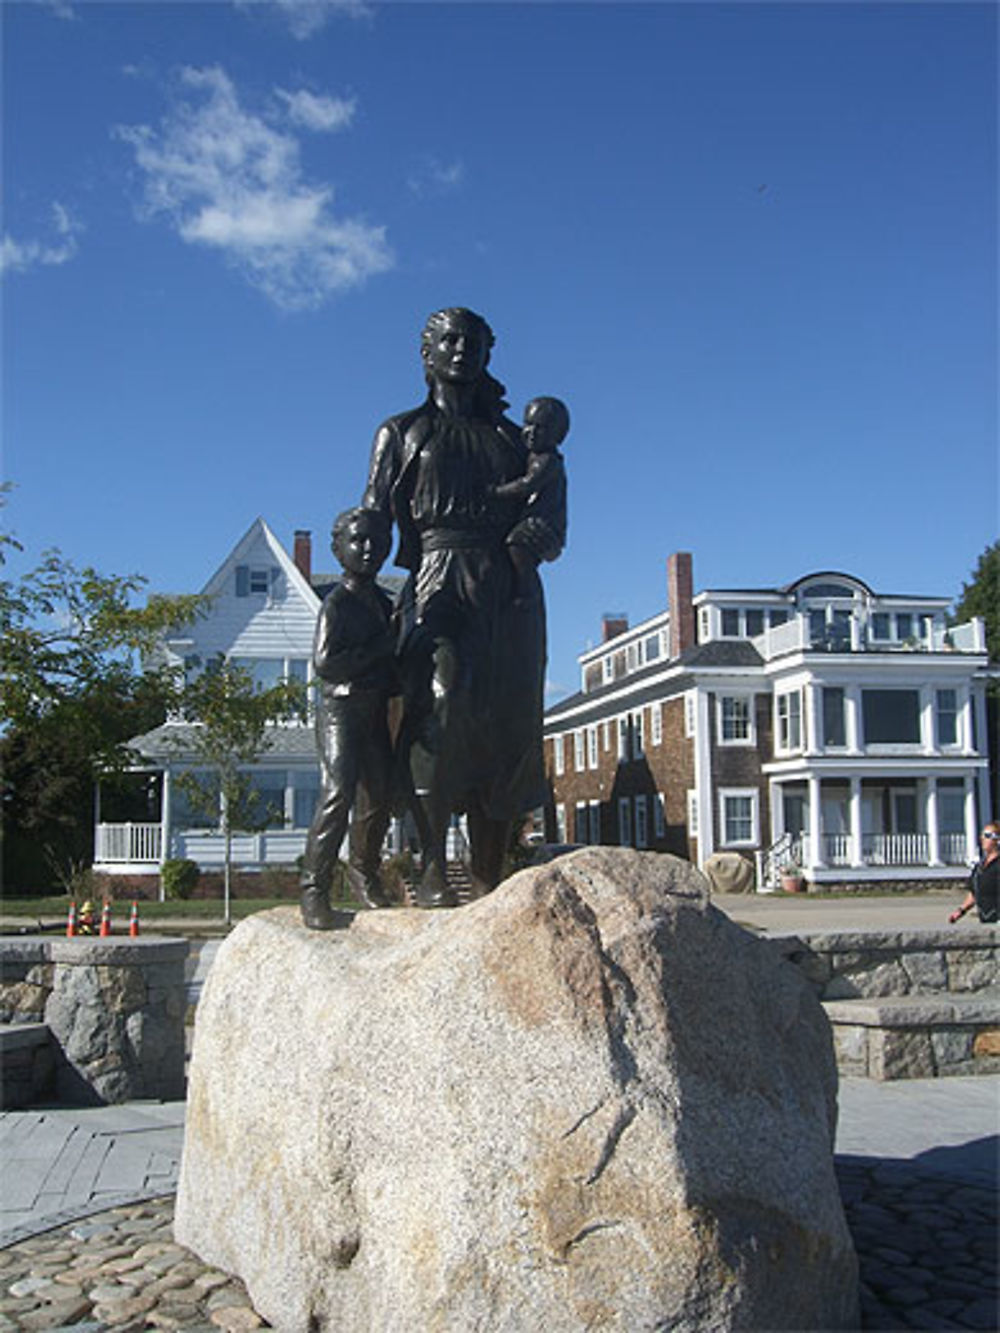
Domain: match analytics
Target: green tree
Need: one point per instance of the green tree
(981, 597)
(234, 723)
(73, 690)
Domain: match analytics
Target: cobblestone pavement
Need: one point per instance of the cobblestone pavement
(927, 1247)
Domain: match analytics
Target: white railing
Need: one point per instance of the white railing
(968, 638)
(954, 849)
(129, 844)
(795, 634)
(837, 849)
(895, 849)
(275, 847)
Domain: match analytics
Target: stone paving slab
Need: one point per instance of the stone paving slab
(60, 1164)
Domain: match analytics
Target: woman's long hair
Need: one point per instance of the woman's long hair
(489, 401)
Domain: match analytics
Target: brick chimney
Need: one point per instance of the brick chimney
(680, 591)
(613, 623)
(302, 553)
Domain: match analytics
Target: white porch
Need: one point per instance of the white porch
(872, 828)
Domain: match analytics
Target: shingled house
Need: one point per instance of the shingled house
(820, 723)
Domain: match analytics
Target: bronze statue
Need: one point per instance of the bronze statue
(471, 614)
(354, 661)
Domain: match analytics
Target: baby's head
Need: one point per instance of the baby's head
(361, 541)
(546, 424)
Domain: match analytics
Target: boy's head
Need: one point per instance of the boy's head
(546, 424)
(361, 541)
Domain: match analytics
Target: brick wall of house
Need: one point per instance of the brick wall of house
(667, 769)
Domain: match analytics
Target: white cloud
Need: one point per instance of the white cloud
(306, 17)
(315, 112)
(62, 9)
(433, 177)
(227, 179)
(19, 256)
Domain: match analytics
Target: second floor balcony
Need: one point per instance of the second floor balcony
(846, 632)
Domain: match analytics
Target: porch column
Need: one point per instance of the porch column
(812, 737)
(852, 720)
(971, 829)
(164, 822)
(777, 809)
(927, 728)
(931, 822)
(815, 825)
(854, 810)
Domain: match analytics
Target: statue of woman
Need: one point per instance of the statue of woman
(472, 635)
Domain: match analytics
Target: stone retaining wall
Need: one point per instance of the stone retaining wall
(115, 1009)
(870, 964)
(907, 1003)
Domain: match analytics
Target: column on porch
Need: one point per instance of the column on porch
(971, 827)
(813, 739)
(854, 811)
(815, 856)
(165, 789)
(931, 822)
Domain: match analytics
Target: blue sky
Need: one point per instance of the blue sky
(753, 246)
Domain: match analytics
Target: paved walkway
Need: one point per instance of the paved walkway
(63, 1163)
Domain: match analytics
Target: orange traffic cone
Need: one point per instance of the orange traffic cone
(133, 920)
(71, 921)
(105, 919)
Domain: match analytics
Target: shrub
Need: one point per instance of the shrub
(179, 877)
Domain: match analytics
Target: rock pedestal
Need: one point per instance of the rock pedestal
(588, 1101)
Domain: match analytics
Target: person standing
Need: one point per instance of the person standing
(984, 883)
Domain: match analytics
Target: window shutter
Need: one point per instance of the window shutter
(242, 580)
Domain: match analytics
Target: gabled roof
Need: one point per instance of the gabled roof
(258, 530)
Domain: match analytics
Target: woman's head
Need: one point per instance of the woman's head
(455, 349)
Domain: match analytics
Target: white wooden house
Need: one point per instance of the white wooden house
(262, 615)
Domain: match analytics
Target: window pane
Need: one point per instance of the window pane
(880, 625)
(777, 617)
(735, 718)
(755, 623)
(904, 625)
(266, 802)
(891, 717)
(834, 730)
(951, 809)
(739, 819)
(306, 800)
(947, 717)
(731, 623)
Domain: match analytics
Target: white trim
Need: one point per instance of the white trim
(593, 755)
(740, 793)
(656, 723)
(559, 755)
(736, 696)
(693, 821)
